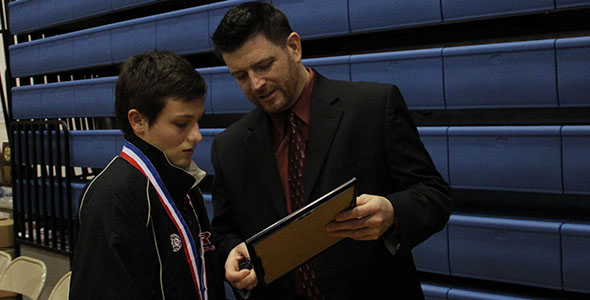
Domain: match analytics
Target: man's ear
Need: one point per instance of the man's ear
(294, 44)
(138, 122)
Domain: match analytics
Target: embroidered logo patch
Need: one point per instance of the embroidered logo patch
(207, 245)
(176, 242)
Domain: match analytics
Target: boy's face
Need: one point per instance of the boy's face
(175, 131)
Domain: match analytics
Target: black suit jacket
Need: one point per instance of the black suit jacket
(356, 129)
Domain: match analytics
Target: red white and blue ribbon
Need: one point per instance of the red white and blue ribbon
(194, 258)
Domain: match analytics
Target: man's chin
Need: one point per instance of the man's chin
(273, 109)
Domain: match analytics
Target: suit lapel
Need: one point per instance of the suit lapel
(324, 122)
(258, 146)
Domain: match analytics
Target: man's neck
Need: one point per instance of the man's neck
(303, 79)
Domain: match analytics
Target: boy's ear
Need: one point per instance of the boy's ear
(137, 121)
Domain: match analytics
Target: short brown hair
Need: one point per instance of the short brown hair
(147, 81)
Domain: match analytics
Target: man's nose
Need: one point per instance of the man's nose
(257, 82)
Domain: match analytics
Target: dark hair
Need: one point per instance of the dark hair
(147, 81)
(246, 20)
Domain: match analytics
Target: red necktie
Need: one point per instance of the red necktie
(305, 277)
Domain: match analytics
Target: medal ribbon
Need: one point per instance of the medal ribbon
(195, 261)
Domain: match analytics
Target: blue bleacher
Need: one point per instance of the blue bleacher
(226, 94)
(96, 148)
(202, 154)
(474, 76)
(573, 71)
(93, 48)
(571, 3)
(87, 8)
(518, 74)
(132, 37)
(510, 158)
(435, 141)
(336, 67)
(113, 43)
(330, 17)
(83, 98)
(576, 159)
(208, 205)
(130, 3)
(575, 239)
(434, 292)
(465, 9)
(509, 250)
(432, 255)
(24, 17)
(418, 74)
(383, 14)
(464, 294)
(206, 74)
(183, 31)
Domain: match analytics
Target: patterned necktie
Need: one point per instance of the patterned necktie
(305, 277)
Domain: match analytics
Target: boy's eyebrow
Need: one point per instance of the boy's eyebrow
(188, 116)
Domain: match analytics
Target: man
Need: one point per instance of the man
(342, 130)
(143, 231)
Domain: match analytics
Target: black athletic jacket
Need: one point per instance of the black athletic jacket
(127, 246)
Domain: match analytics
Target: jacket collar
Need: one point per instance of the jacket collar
(177, 180)
(325, 119)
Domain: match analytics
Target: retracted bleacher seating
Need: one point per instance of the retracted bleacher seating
(453, 76)
(464, 9)
(575, 242)
(519, 74)
(418, 73)
(25, 17)
(502, 249)
(573, 71)
(384, 14)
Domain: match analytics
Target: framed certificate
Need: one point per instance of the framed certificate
(300, 236)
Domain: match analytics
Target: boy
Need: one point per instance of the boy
(143, 231)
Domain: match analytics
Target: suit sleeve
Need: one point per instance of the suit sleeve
(422, 198)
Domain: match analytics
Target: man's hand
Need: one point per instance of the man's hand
(368, 220)
(240, 279)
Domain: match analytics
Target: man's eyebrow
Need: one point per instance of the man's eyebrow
(260, 62)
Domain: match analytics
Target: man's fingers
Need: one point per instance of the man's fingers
(365, 234)
(365, 206)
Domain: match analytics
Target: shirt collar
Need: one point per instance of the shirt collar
(301, 106)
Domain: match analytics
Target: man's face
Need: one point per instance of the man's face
(269, 74)
(176, 130)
